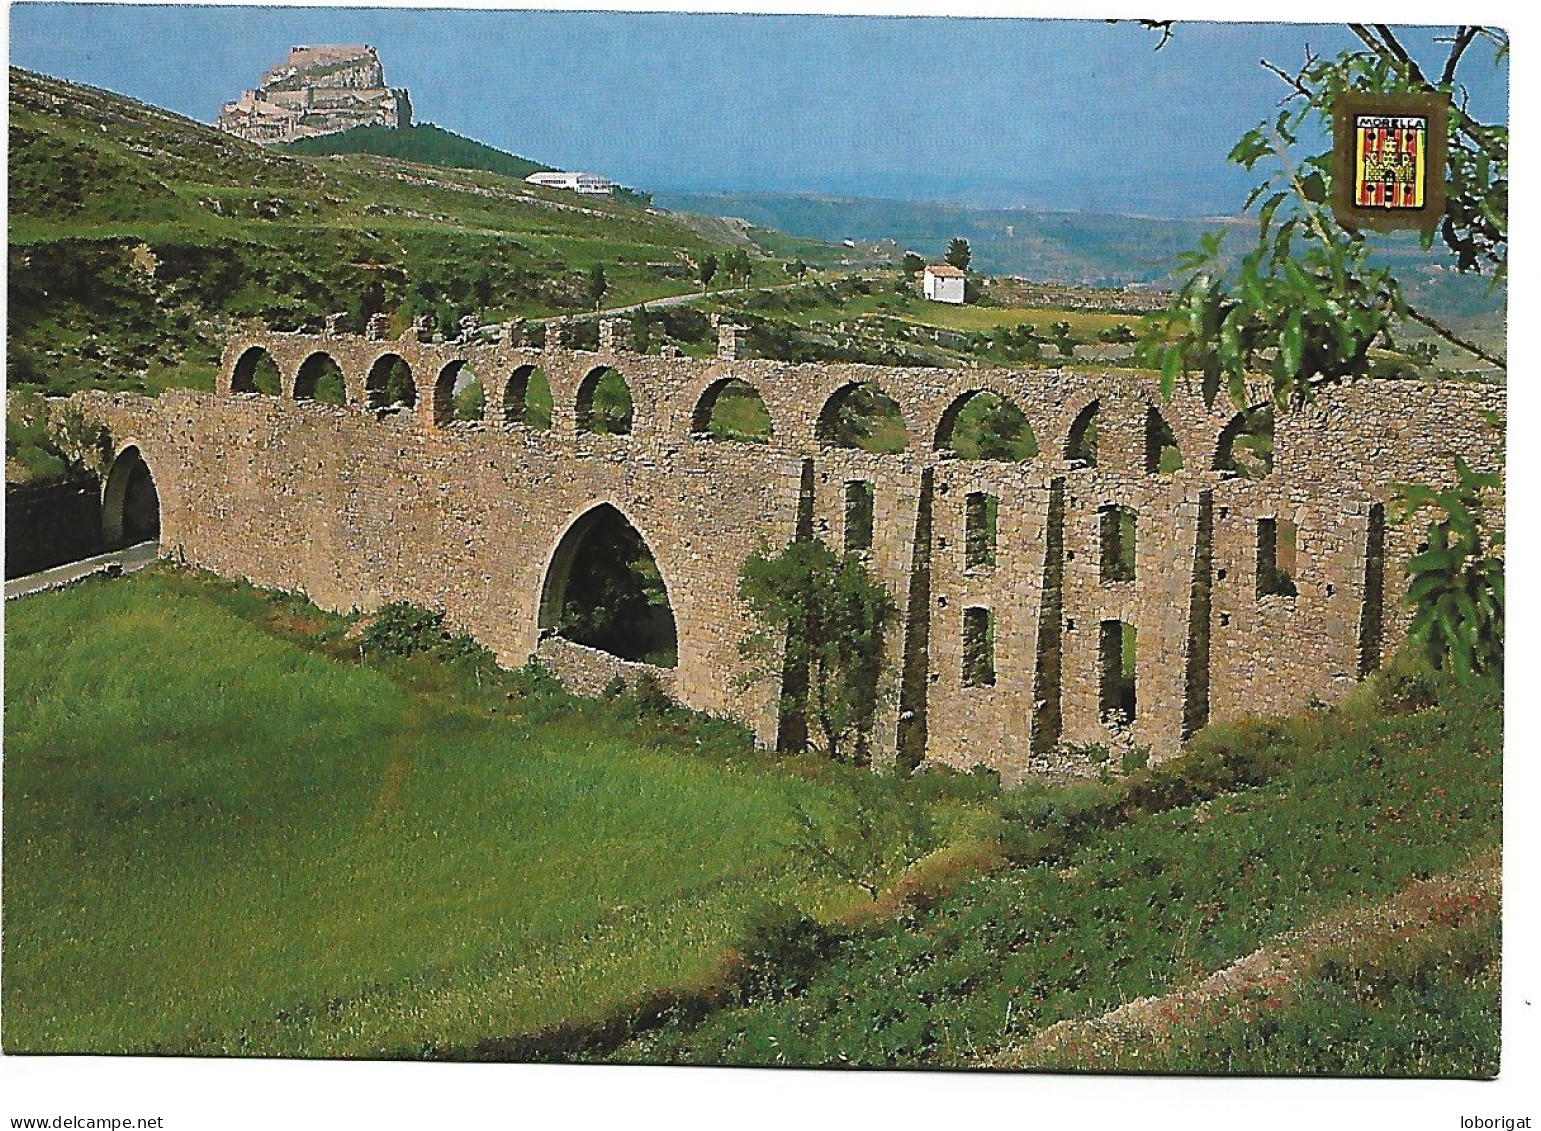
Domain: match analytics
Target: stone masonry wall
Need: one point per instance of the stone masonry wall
(362, 504)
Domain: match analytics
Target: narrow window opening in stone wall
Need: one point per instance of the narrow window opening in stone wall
(390, 383)
(1246, 444)
(320, 379)
(1200, 613)
(1048, 721)
(1118, 661)
(864, 417)
(604, 590)
(1081, 446)
(859, 499)
(982, 425)
(914, 723)
(1276, 557)
(732, 410)
(257, 372)
(978, 647)
(980, 512)
(1117, 528)
(1372, 618)
(1162, 455)
(604, 403)
(527, 399)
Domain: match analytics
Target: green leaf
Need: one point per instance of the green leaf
(1292, 344)
(1171, 369)
(1265, 214)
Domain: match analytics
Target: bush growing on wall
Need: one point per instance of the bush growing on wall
(830, 614)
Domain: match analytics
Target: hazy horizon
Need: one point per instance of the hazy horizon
(1039, 115)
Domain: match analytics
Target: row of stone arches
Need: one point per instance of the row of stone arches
(981, 423)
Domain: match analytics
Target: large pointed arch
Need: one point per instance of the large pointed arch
(131, 511)
(603, 588)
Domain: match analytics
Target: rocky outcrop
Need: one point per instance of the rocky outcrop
(317, 90)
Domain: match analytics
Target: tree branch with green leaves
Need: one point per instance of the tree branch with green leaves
(1309, 301)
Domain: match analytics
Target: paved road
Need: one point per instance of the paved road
(135, 557)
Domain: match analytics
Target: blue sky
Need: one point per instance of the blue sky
(1048, 114)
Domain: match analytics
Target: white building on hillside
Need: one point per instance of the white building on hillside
(585, 184)
(943, 283)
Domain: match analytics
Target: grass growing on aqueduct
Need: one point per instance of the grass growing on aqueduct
(219, 841)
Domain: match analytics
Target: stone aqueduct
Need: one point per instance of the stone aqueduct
(358, 505)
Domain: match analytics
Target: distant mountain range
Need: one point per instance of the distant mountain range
(1066, 247)
(1086, 248)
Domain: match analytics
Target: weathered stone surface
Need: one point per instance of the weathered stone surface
(363, 504)
(317, 90)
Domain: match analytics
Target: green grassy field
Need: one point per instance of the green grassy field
(224, 833)
(1131, 888)
(221, 836)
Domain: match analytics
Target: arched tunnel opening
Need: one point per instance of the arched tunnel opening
(604, 590)
(131, 506)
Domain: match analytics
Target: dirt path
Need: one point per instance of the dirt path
(1269, 970)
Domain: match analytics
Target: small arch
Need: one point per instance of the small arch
(603, 589)
(985, 425)
(861, 415)
(1081, 444)
(527, 398)
(1163, 456)
(452, 379)
(1245, 448)
(390, 382)
(131, 508)
(604, 404)
(732, 409)
(256, 372)
(320, 379)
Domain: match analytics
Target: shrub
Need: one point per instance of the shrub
(651, 698)
(402, 629)
(1456, 589)
(780, 948)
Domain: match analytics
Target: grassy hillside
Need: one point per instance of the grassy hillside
(423, 143)
(137, 236)
(1132, 888)
(428, 857)
(249, 842)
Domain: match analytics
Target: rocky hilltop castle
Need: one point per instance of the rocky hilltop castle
(317, 90)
